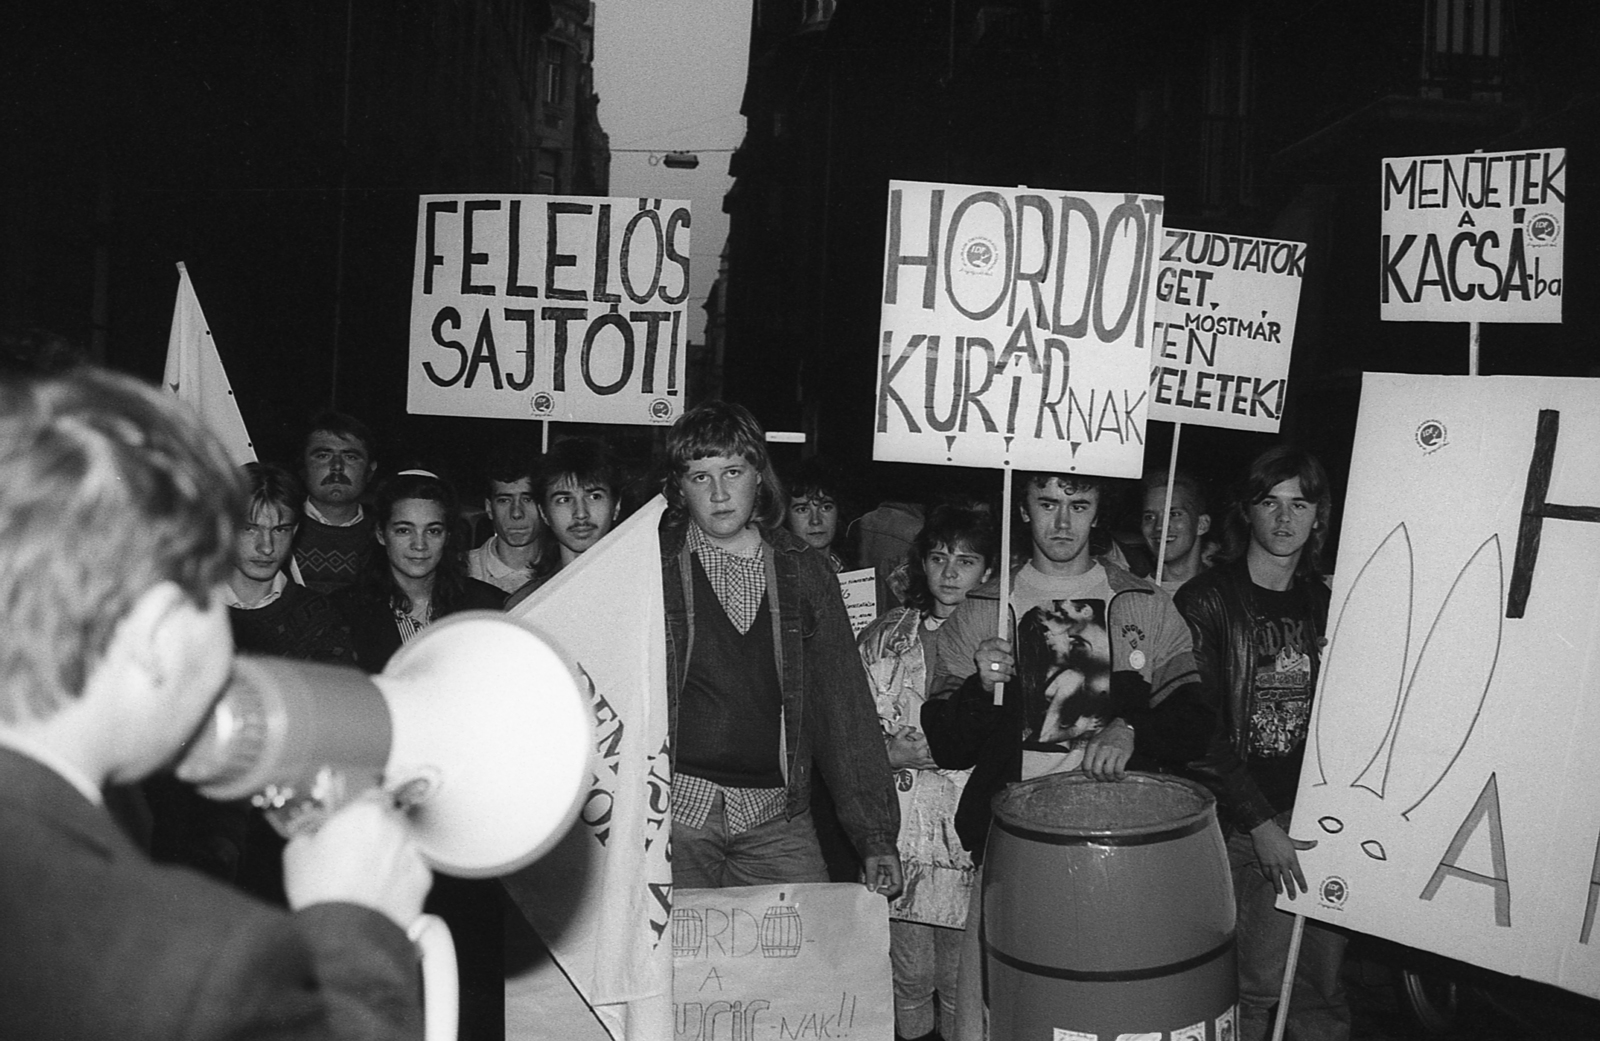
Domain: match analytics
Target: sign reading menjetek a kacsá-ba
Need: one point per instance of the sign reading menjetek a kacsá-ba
(1474, 238)
(549, 307)
(1016, 328)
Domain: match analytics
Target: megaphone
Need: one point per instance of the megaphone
(477, 725)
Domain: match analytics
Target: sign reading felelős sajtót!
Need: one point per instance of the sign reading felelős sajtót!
(557, 307)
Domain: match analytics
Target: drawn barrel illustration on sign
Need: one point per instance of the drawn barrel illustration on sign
(688, 932)
(780, 931)
(1107, 910)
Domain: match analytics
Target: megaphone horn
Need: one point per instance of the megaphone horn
(477, 719)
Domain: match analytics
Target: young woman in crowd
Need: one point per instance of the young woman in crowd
(954, 553)
(419, 577)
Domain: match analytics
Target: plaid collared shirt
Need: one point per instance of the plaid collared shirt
(739, 582)
(743, 808)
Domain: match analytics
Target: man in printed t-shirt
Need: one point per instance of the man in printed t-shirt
(1258, 624)
(1100, 677)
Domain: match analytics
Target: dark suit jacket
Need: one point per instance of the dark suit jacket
(98, 942)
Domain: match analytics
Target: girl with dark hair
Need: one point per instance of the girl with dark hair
(419, 577)
(954, 553)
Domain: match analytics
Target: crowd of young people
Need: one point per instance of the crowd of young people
(1206, 674)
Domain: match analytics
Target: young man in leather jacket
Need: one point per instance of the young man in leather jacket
(1258, 624)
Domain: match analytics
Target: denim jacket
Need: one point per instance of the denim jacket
(828, 711)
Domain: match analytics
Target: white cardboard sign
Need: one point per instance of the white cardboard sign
(859, 589)
(1474, 238)
(1016, 328)
(1225, 312)
(558, 307)
(1450, 776)
(781, 963)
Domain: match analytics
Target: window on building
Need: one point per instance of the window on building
(555, 73)
(1463, 48)
(818, 12)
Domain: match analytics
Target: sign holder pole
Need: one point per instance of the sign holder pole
(1002, 629)
(1474, 343)
(544, 437)
(1166, 506)
(1289, 967)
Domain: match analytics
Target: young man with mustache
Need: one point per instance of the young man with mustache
(335, 532)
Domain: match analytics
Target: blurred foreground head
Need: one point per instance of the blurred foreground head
(108, 488)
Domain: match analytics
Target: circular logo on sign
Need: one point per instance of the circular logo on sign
(661, 409)
(1544, 229)
(542, 403)
(1431, 435)
(1333, 891)
(978, 255)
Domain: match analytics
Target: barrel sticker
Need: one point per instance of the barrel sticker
(1223, 1030)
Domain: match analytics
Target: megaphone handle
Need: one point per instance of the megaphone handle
(441, 988)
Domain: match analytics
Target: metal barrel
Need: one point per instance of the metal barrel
(1108, 911)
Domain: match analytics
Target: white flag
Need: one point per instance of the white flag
(195, 374)
(602, 900)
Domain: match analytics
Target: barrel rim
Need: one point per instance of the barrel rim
(1084, 837)
(1128, 835)
(1129, 975)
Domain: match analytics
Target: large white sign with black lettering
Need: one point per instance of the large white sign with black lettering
(1450, 771)
(1225, 312)
(1474, 238)
(1016, 328)
(556, 307)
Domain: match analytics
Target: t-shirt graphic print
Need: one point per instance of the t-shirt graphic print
(1282, 687)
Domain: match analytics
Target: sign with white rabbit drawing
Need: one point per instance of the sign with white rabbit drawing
(1451, 777)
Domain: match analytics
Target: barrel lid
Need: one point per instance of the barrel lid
(1078, 806)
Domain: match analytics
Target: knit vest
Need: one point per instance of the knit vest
(730, 712)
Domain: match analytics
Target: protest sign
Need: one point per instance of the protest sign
(860, 592)
(781, 963)
(1225, 310)
(1474, 238)
(602, 899)
(549, 307)
(1450, 773)
(1016, 328)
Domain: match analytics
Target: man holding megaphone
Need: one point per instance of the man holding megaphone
(118, 515)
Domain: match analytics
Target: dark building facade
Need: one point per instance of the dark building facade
(1249, 117)
(278, 149)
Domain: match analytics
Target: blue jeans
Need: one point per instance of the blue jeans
(926, 959)
(777, 852)
(1318, 1008)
